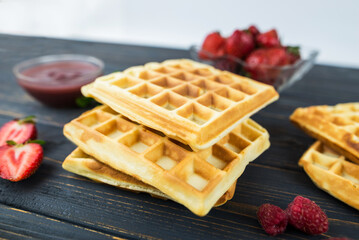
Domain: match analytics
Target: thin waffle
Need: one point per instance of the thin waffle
(194, 179)
(82, 164)
(188, 101)
(332, 173)
(336, 126)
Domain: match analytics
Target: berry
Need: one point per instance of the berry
(226, 64)
(272, 218)
(268, 39)
(262, 63)
(19, 161)
(293, 54)
(239, 44)
(253, 30)
(307, 216)
(213, 46)
(18, 130)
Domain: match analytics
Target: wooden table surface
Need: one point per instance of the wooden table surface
(56, 204)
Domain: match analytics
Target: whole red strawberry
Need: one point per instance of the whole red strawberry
(18, 130)
(268, 39)
(272, 218)
(213, 46)
(293, 54)
(253, 30)
(226, 64)
(239, 44)
(307, 216)
(19, 161)
(262, 63)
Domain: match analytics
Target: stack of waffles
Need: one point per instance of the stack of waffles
(177, 129)
(332, 161)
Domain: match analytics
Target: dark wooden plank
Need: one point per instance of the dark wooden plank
(54, 194)
(19, 224)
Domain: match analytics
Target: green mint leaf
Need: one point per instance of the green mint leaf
(84, 102)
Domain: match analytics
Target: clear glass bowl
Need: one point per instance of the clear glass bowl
(280, 77)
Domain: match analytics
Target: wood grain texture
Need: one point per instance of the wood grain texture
(68, 206)
(20, 224)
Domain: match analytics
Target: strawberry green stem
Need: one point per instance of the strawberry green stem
(28, 119)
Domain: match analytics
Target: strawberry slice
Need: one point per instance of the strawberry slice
(18, 130)
(19, 161)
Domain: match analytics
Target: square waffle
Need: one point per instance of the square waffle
(194, 179)
(337, 126)
(331, 172)
(188, 101)
(87, 166)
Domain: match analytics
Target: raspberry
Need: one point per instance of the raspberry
(272, 218)
(307, 216)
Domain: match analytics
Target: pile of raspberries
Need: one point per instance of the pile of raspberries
(302, 214)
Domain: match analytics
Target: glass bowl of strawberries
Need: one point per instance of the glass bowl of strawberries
(260, 56)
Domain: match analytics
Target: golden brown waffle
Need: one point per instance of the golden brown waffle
(82, 164)
(332, 173)
(194, 179)
(336, 126)
(188, 101)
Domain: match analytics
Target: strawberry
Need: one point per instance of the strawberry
(293, 54)
(19, 161)
(239, 44)
(253, 30)
(268, 39)
(18, 130)
(262, 63)
(213, 46)
(226, 64)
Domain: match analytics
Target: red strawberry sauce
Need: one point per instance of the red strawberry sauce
(57, 83)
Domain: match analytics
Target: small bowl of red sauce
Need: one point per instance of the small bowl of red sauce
(56, 80)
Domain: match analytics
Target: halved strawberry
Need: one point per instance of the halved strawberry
(19, 131)
(19, 161)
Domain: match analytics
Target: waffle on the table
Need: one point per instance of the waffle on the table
(188, 101)
(331, 172)
(337, 126)
(194, 179)
(87, 166)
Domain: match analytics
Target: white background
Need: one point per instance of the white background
(330, 26)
